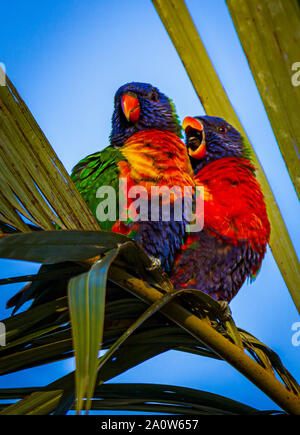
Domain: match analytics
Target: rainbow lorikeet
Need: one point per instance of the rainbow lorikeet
(232, 244)
(145, 150)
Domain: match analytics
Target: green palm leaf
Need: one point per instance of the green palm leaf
(33, 182)
(141, 397)
(87, 293)
(269, 33)
(87, 305)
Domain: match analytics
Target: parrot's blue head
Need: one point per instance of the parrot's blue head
(141, 106)
(209, 138)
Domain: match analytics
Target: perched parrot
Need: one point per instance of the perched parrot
(232, 244)
(146, 150)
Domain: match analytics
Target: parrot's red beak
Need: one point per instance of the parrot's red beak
(195, 135)
(131, 107)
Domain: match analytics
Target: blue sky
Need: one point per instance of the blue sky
(67, 59)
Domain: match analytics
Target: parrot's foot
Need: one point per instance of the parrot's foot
(225, 311)
(155, 263)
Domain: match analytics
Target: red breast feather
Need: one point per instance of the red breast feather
(234, 205)
(236, 231)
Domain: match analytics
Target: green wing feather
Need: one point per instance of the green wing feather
(96, 170)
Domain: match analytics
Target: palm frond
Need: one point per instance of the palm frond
(47, 336)
(269, 33)
(34, 185)
(146, 398)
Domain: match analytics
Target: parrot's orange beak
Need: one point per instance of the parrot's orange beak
(194, 131)
(131, 108)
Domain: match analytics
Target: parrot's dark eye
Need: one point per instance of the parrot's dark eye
(223, 130)
(154, 96)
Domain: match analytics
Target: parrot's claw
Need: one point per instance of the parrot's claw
(156, 263)
(225, 311)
